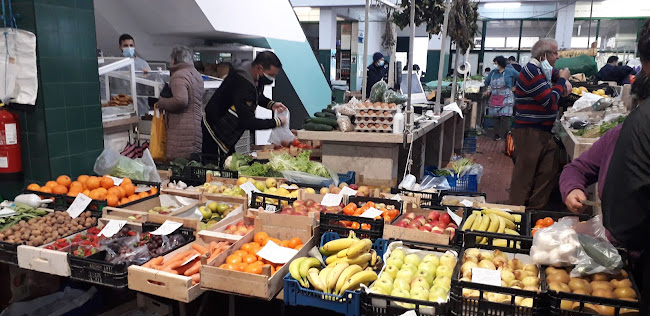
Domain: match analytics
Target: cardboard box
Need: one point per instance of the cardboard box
(168, 285)
(402, 233)
(264, 286)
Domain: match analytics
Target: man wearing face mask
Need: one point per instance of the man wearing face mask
(376, 71)
(231, 110)
(127, 47)
(538, 90)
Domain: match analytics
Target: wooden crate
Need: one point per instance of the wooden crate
(402, 233)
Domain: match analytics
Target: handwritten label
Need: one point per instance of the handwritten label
(7, 212)
(270, 208)
(371, 213)
(190, 259)
(276, 254)
(332, 199)
(79, 205)
(167, 228)
(349, 192)
(249, 188)
(457, 219)
(467, 203)
(112, 227)
(486, 276)
(116, 181)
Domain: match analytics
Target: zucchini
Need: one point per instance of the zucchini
(326, 121)
(317, 127)
(307, 119)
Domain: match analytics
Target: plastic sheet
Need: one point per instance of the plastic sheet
(556, 245)
(306, 178)
(597, 253)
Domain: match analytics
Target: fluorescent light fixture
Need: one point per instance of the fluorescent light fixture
(502, 5)
(388, 3)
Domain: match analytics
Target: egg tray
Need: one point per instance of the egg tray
(367, 129)
(375, 113)
(373, 120)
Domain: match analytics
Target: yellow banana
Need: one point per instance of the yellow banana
(476, 212)
(485, 223)
(342, 253)
(494, 223)
(469, 221)
(345, 275)
(335, 246)
(373, 259)
(294, 270)
(364, 258)
(509, 224)
(322, 275)
(365, 265)
(315, 280)
(334, 275)
(477, 222)
(501, 213)
(511, 232)
(502, 225)
(360, 247)
(517, 218)
(504, 243)
(365, 277)
(331, 259)
(307, 264)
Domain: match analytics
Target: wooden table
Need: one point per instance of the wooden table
(380, 158)
(575, 145)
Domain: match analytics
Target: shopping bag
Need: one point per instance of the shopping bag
(282, 135)
(158, 141)
(19, 79)
(510, 145)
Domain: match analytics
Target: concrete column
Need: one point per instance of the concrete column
(356, 53)
(564, 27)
(327, 42)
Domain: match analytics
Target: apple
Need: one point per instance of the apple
(400, 293)
(384, 284)
(391, 270)
(419, 293)
(309, 202)
(402, 284)
(403, 223)
(429, 267)
(438, 294)
(452, 225)
(433, 216)
(397, 262)
(378, 290)
(450, 231)
(437, 230)
(445, 218)
(443, 281)
(354, 187)
(412, 259)
(240, 223)
(427, 275)
(420, 281)
(425, 228)
(300, 208)
(405, 274)
(398, 253)
(414, 225)
(432, 258)
(387, 276)
(448, 260)
(410, 266)
(421, 219)
(444, 270)
(324, 191)
(297, 203)
(440, 224)
(231, 228)
(363, 191)
(410, 215)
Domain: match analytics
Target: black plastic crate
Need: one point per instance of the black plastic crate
(361, 200)
(332, 223)
(479, 306)
(177, 171)
(199, 173)
(186, 180)
(205, 159)
(533, 216)
(266, 200)
(522, 228)
(94, 269)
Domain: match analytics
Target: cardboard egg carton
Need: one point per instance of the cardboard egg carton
(374, 120)
(371, 127)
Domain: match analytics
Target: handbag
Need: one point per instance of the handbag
(158, 140)
(497, 100)
(510, 145)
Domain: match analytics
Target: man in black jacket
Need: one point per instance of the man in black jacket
(376, 71)
(612, 72)
(231, 110)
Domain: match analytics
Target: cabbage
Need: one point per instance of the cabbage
(237, 161)
(285, 162)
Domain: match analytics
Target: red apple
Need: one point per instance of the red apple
(231, 228)
(322, 208)
(300, 208)
(240, 223)
(452, 225)
(433, 216)
(403, 223)
(421, 219)
(354, 187)
(437, 230)
(297, 203)
(450, 231)
(428, 225)
(332, 209)
(410, 215)
(413, 225)
(444, 217)
(439, 224)
(309, 203)
(425, 228)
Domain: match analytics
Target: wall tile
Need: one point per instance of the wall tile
(91, 93)
(76, 118)
(37, 143)
(84, 4)
(85, 19)
(40, 169)
(58, 144)
(56, 120)
(55, 95)
(67, 23)
(77, 141)
(59, 166)
(87, 44)
(79, 165)
(50, 45)
(94, 138)
(58, 3)
(73, 95)
(89, 69)
(50, 70)
(72, 67)
(93, 116)
(35, 121)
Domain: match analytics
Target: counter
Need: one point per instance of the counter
(380, 158)
(575, 145)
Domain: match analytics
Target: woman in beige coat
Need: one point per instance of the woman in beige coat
(184, 111)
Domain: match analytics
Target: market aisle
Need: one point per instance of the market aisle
(497, 169)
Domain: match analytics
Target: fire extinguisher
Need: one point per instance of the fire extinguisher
(10, 157)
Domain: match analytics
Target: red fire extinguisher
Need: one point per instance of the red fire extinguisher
(10, 157)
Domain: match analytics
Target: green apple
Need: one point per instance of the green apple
(402, 284)
(260, 186)
(398, 262)
(221, 208)
(398, 253)
(412, 259)
(438, 294)
(428, 276)
(410, 266)
(448, 260)
(391, 270)
(420, 281)
(271, 183)
(388, 277)
(205, 212)
(443, 281)
(419, 293)
(378, 290)
(384, 285)
(405, 274)
(444, 270)
(429, 267)
(213, 206)
(400, 293)
(432, 259)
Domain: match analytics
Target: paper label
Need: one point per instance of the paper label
(270, 208)
(116, 181)
(140, 189)
(457, 219)
(223, 235)
(249, 188)
(453, 107)
(371, 213)
(112, 227)
(79, 205)
(349, 192)
(190, 259)
(168, 201)
(167, 228)
(331, 199)
(486, 276)
(7, 212)
(396, 197)
(410, 313)
(4, 162)
(467, 203)
(276, 254)
(11, 134)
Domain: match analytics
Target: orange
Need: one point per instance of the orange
(86, 192)
(240, 253)
(143, 195)
(275, 240)
(230, 266)
(298, 247)
(124, 201)
(133, 198)
(355, 225)
(95, 195)
(77, 185)
(260, 237)
(73, 192)
(249, 259)
(106, 182)
(247, 247)
(242, 266)
(82, 179)
(154, 190)
(234, 258)
(51, 184)
(34, 187)
(46, 189)
(112, 200)
(285, 243)
(115, 191)
(253, 268)
(122, 192)
(64, 181)
(295, 241)
(92, 183)
(126, 181)
(60, 189)
(548, 221)
(129, 189)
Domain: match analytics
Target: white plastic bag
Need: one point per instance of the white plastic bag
(19, 83)
(306, 178)
(597, 253)
(556, 245)
(282, 135)
(112, 163)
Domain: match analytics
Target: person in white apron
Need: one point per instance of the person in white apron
(500, 83)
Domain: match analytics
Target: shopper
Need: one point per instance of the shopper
(613, 72)
(486, 72)
(512, 61)
(626, 195)
(377, 71)
(184, 107)
(537, 93)
(500, 83)
(231, 110)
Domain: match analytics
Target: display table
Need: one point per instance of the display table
(379, 158)
(575, 145)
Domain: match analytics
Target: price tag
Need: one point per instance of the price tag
(276, 254)
(79, 205)
(331, 199)
(167, 228)
(410, 313)
(112, 227)
(249, 188)
(190, 259)
(457, 219)
(371, 213)
(7, 212)
(467, 203)
(270, 208)
(396, 197)
(486, 276)
(116, 181)
(349, 192)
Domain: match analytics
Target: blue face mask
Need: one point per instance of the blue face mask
(380, 63)
(128, 51)
(547, 69)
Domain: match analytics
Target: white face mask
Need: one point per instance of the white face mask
(547, 69)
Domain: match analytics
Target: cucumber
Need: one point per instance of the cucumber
(317, 127)
(326, 121)
(329, 115)
(307, 119)
(328, 110)
(319, 114)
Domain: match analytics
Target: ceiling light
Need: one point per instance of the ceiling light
(303, 10)
(503, 5)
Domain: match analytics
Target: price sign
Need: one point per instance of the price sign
(349, 192)
(276, 254)
(249, 188)
(167, 228)
(190, 259)
(116, 181)
(457, 219)
(467, 203)
(79, 205)
(332, 199)
(371, 213)
(486, 276)
(112, 227)
(270, 208)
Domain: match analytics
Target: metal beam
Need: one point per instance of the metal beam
(443, 49)
(365, 54)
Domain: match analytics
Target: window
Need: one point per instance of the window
(534, 30)
(619, 34)
(499, 34)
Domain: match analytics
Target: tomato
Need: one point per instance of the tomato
(296, 143)
(365, 226)
(548, 221)
(355, 225)
(534, 231)
(539, 222)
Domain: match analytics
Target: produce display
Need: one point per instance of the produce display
(542, 223)
(350, 263)
(581, 90)
(420, 275)
(130, 247)
(493, 221)
(325, 120)
(595, 131)
(240, 228)
(514, 274)
(82, 244)
(96, 188)
(181, 163)
(375, 117)
(285, 162)
(38, 231)
(388, 212)
(21, 213)
(162, 210)
(246, 260)
(436, 222)
(188, 263)
(308, 206)
(213, 212)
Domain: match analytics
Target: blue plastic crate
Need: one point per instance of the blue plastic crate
(378, 245)
(467, 183)
(469, 145)
(349, 178)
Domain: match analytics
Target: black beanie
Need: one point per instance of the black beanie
(377, 56)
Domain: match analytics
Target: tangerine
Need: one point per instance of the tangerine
(82, 178)
(133, 198)
(129, 189)
(122, 191)
(34, 187)
(154, 190)
(229, 266)
(64, 181)
(46, 189)
(242, 266)
(86, 192)
(298, 247)
(73, 192)
(247, 247)
(233, 259)
(253, 268)
(240, 253)
(77, 185)
(95, 195)
(92, 183)
(124, 201)
(106, 182)
(112, 200)
(249, 259)
(260, 237)
(115, 191)
(51, 184)
(126, 181)
(143, 195)
(60, 189)
(295, 241)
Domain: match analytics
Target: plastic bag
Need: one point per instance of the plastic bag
(597, 253)
(112, 163)
(556, 245)
(158, 142)
(306, 178)
(391, 96)
(345, 125)
(431, 182)
(345, 109)
(282, 135)
(377, 91)
(476, 169)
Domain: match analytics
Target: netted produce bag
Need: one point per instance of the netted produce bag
(345, 125)
(391, 96)
(377, 91)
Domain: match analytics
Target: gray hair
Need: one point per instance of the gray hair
(543, 46)
(182, 54)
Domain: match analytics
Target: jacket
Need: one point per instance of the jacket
(536, 99)
(614, 73)
(375, 73)
(231, 110)
(184, 135)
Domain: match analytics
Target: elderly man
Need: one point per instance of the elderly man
(537, 93)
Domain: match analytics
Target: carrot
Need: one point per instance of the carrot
(185, 267)
(212, 246)
(202, 250)
(170, 271)
(154, 262)
(196, 267)
(196, 278)
(177, 262)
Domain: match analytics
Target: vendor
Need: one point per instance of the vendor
(127, 47)
(612, 72)
(231, 110)
(500, 83)
(376, 71)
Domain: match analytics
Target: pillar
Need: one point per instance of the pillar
(433, 58)
(356, 53)
(564, 27)
(327, 42)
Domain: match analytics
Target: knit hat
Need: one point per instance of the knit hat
(377, 56)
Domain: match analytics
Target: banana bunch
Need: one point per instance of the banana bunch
(351, 251)
(493, 221)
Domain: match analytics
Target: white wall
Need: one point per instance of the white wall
(614, 8)
(537, 9)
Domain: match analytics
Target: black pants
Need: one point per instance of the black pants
(502, 125)
(210, 147)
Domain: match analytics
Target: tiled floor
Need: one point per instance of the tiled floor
(497, 169)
